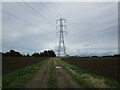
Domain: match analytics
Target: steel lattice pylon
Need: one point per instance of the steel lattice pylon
(61, 46)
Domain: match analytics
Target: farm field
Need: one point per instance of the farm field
(10, 64)
(103, 66)
(55, 73)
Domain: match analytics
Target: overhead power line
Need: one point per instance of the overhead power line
(15, 16)
(19, 3)
(36, 12)
(31, 11)
(21, 19)
(48, 9)
(56, 9)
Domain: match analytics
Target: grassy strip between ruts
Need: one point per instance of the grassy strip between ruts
(87, 79)
(52, 80)
(18, 78)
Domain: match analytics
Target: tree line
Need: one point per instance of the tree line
(13, 53)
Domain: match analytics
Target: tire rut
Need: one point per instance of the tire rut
(64, 79)
(40, 79)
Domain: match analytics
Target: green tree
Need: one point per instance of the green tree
(28, 55)
(35, 54)
(12, 53)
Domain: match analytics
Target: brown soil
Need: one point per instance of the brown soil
(103, 66)
(40, 79)
(64, 79)
(11, 64)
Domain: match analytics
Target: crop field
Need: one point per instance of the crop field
(103, 66)
(10, 64)
(34, 72)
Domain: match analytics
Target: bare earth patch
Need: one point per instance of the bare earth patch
(40, 79)
(64, 79)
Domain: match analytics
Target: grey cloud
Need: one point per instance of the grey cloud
(90, 25)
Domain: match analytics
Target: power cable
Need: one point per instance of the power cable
(21, 19)
(36, 11)
(48, 9)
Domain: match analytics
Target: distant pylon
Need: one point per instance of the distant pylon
(61, 46)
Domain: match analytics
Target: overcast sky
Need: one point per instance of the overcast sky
(92, 27)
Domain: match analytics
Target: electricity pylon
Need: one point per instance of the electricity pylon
(61, 46)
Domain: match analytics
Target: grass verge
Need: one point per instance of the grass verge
(18, 78)
(87, 79)
(52, 80)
